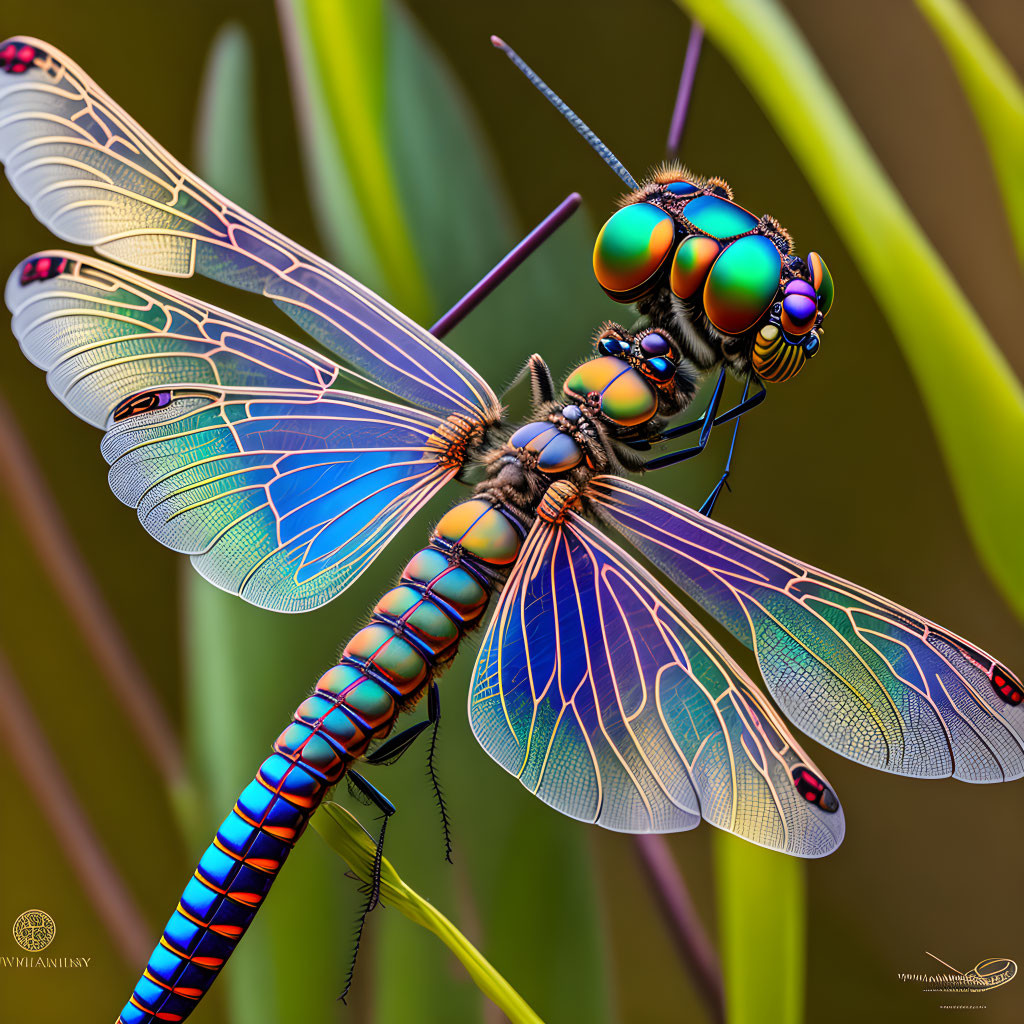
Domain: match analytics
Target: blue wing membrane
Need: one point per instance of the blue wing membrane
(227, 437)
(607, 700)
(858, 672)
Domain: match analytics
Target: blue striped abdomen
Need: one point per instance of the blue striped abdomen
(414, 631)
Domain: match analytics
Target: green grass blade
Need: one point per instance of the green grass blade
(523, 885)
(341, 70)
(762, 919)
(247, 669)
(973, 399)
(350, 840)
(995, 95)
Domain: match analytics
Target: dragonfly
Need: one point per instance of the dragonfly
(594, 685)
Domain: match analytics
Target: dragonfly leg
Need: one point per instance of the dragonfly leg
(707, 422)
(369, 790)
(394, 748)
(434, 713)
(745, 405)
(709, 502)
(376, 797)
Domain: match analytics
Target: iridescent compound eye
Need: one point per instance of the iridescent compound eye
(655, 344)
(742, 284)
(631, 249)
(693, 259)
(626, 397)
(822, 280)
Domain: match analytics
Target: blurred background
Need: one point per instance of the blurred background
(839, 468)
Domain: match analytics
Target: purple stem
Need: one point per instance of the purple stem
(682, 107)
(533, 241)
(24, 741)
(676, 906)
(56, 550)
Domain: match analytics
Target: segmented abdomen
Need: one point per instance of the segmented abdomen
(413, 632)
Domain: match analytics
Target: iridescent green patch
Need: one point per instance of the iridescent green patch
(370, 700)
(742, 284)
(719, 217)
(632, 247)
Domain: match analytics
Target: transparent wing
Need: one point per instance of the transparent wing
(862, 675)
(281, 495)
(612, 704)
(94, 177)
(282, 500)
(102, 334)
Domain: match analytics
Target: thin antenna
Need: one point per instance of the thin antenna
(545, 90)
(682, 107)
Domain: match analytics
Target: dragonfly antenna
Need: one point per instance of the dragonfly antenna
(563, 108)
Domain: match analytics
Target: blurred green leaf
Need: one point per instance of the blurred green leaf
(344, 833)
(339, 65)
(761, 923)
(226, 142)
(247, 668)
(974, 400)
(995, 95)
(539, 924)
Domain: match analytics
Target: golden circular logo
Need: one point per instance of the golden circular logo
(34, 930)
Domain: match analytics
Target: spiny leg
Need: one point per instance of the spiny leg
(434, 712)
(376, 797)
(394, 748)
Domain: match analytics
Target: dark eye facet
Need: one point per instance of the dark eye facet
(798, 313)
(613, 347)
(659, 368)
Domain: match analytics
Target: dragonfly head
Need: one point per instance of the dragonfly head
(683, 250)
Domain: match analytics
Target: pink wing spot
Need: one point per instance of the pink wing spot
(42, 268)
(16, 59)
(1007, 687)
(814, 790)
